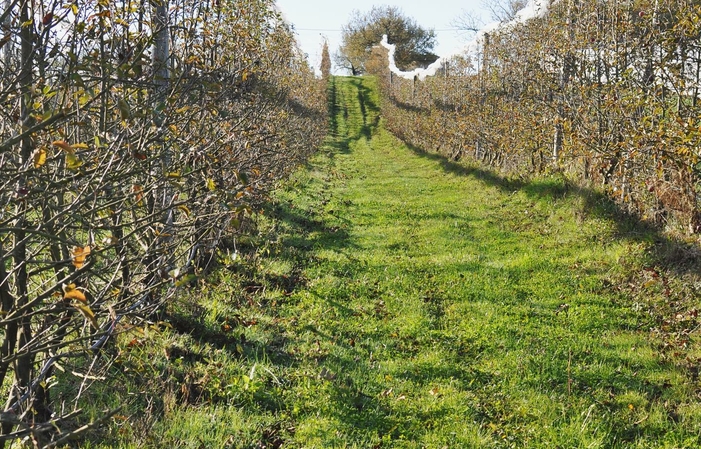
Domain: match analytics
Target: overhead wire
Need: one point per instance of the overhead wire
(338, 31)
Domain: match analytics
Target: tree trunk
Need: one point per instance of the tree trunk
(22, 332)
(161, 80)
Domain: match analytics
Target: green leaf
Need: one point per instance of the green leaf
(186, 280)
(73, 162)
(124, 109)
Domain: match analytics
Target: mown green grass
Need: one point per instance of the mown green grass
(397, 299)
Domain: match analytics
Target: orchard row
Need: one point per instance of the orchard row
(606, 91)
(134, 137)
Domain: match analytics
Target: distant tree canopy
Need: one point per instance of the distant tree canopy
(414, 43)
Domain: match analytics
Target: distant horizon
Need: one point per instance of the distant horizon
(314, 20)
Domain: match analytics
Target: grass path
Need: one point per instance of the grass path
(412, 302)
(447, 308)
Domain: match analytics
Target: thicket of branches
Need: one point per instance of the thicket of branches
(607, 91)
(133, 137)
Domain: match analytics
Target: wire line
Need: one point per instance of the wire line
(338, 31)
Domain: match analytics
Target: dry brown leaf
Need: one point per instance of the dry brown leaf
(71, 292)
(79, 255)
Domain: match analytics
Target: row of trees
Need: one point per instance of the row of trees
(607, 91)
(133, 137)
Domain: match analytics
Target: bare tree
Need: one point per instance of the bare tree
(504, 10)
(499, 10)
(604, 90)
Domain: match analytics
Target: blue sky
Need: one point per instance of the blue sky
(314, 19)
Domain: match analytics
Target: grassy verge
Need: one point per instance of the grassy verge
(396, 299)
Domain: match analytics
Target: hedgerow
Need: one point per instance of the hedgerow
(134, 138)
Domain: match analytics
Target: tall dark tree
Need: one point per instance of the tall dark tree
(363, 31)
(325, 61)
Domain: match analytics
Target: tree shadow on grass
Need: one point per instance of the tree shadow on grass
(369, 109)
(360, 123)
(337, 142)
(360, 401)
(672, 253)
(305, 231)
(362, 415)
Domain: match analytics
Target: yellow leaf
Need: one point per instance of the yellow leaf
(173, 175)
(72, 162)
(106, 13)
(39, 157)
(650, 283)
(83, 146)
(184, 209)
(211, 185)
(88, 314)
(173, 129)
(79, 255)
(71, 292)
(62, 144)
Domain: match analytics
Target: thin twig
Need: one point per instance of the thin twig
(78, 431)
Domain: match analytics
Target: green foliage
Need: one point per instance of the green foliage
(414, 44)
